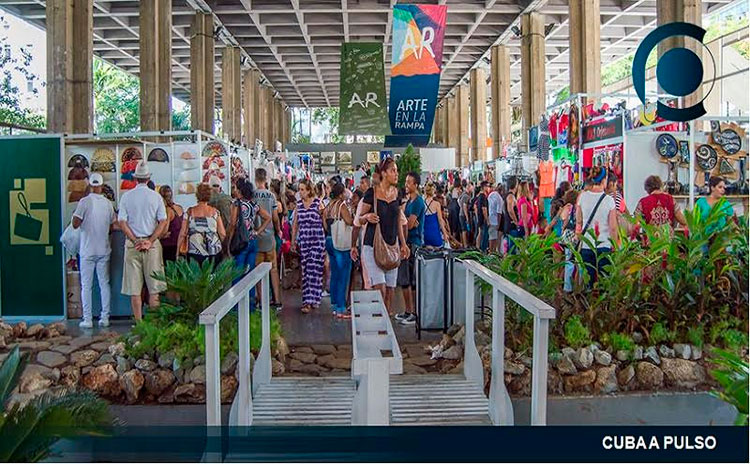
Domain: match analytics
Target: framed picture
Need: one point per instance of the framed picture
(344, 158)
(328, 158)
(373, 157)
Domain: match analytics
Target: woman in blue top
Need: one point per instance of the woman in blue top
(705, 204)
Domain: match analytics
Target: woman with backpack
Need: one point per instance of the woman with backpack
(202, 231)
(338, 223)
(242, 232)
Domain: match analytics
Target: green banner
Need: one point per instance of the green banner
(362, 101)
(31, 261)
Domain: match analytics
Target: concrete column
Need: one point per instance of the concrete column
(70, 43)
(452, 126)
(532, 71)
(155, 26)
(249, 103)
(585, 51)
(287, 127)
(444, 122)
(231, 101)
(478, 82)
(268, 112)
(260, 114)
(501, 112)
(202, 73)
(689, 11)
(462, 112)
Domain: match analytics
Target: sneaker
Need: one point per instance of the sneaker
(410, 319)
(86, 324)
(276, 306)
(104, 322)
(401, 316)
(325, 294)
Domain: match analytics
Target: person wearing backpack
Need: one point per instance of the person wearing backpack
(243, 235)
(338, 223)
(202, 229)
(596, 212)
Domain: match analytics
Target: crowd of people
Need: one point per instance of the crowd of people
(360, 232)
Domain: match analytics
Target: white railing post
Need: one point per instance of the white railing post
(263, 369)
(244, 397)
(539, 372)
(472, 362)
(213, 379)
(501, 409)
(371, 405)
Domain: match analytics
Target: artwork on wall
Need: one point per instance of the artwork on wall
(373, 157)
(328, 158)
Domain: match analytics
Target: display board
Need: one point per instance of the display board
(31, 258)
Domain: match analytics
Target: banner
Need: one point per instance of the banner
(362, 100)
(416, 63)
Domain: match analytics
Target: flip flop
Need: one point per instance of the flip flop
(305, 309)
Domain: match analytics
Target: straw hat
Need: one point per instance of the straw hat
(141, 171)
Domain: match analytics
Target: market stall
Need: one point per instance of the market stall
(180, 159)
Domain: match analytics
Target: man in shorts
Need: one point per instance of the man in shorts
(495, 205)
(143, 219)
(267, 238)
(407, 278)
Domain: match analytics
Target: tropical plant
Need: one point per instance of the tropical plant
(29, 431)
(197, 285)
(409, 161)
(733, 376)
(329, 118)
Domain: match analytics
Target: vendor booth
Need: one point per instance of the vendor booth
(45, 177)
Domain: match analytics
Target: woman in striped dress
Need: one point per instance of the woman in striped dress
(308, 236)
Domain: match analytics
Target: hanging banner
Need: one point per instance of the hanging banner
(416, 63)
(362, 102)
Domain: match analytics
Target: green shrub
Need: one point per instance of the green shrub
(576, 334)
(619, 341)
(660, 334)
(695, 335)
(733, 378)
(734, 339)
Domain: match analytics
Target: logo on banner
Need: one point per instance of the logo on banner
(679, 71)
(362, 84)
(418, 32)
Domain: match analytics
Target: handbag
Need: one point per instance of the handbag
(183, 249)
(241, 236)
(387, 257)
(341, 233)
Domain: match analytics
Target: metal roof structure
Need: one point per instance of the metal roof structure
(296, 43)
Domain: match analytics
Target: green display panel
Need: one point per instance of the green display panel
(31, 266)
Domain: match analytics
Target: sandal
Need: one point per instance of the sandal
(305, 309)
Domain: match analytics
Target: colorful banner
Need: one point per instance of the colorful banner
(416, 63)
(362, 102)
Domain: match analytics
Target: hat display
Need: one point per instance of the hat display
(96, 180)
(214, 149)
(213, 172)
(186, 188)
(158, 155)
(208, 163)
(214, 181)
(78, 160)
(188, 165)
(103, 160)
(78, 173)
(186, 155)
(131, 153)
(77, 185)
(187, 176)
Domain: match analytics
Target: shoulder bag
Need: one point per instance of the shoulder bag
(387, 257)
(341, 233)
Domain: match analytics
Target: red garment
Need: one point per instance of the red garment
(588, 158)
(546, 181)
(532, 214)
(657, 208)
(553, 127)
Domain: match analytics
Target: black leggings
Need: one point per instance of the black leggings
(215, 259)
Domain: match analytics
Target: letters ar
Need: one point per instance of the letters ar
(371, 97)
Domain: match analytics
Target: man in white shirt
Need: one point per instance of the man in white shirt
(143, 219)
(495, 210)
(94, 215)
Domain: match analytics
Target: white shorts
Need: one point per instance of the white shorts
(376, 275)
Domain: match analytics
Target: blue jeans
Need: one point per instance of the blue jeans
(515, 232)
(569, 270)
(245, 260)
(594, 262)
(341, 269)
(484, 241)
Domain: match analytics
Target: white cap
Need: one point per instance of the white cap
(96, 179)
(214, 181)
(141, 171)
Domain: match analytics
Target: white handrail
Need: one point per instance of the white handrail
(500, 407)
(238, 294)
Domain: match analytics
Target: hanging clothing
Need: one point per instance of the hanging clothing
(312, 251)
(546, 182)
